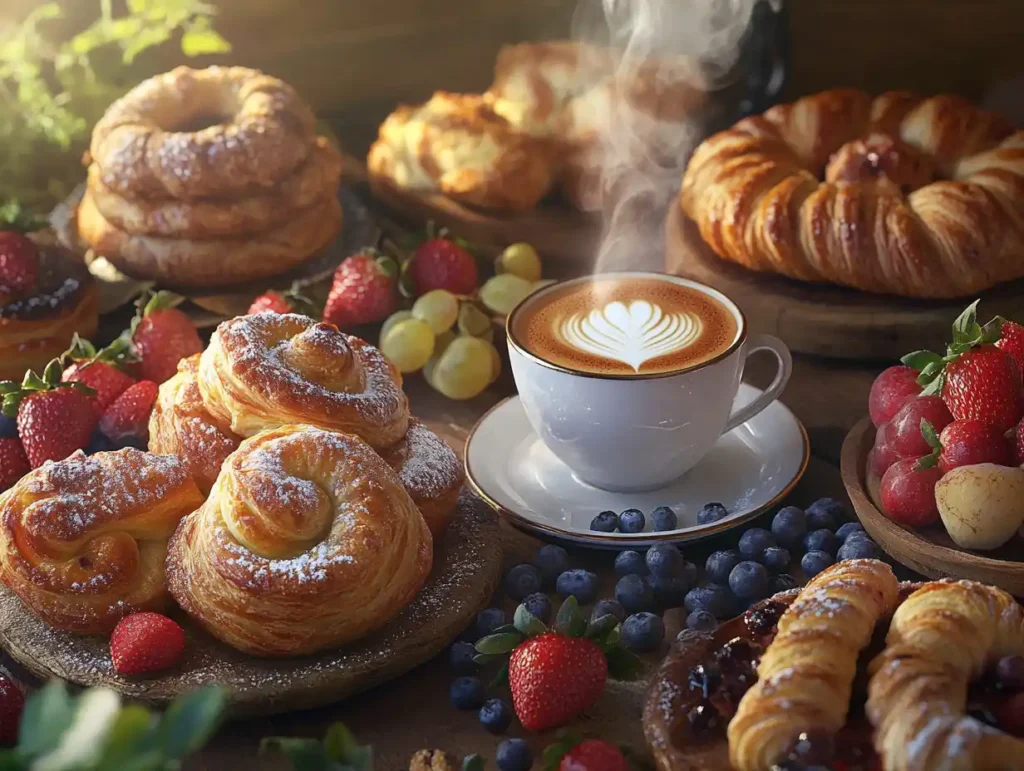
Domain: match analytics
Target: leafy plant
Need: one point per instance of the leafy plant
(339, 751)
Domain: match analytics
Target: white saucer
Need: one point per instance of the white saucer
(749, 470)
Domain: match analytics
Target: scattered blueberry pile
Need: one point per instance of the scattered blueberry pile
(663, 518)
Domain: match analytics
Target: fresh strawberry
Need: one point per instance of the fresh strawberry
(292, 301)
(100, 370)
(882, 455)
(1011, 340)
(12, 703)
(890, 391)
(13, 463)
(904, 433)
(128, 416)
(145, 642)
(965, 443)
(592, 755)
(908, 493)
(442, 263)
(54, 418)
(19, 262)
(363, 291)
(162, 336)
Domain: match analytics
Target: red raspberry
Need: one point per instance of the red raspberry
(145, 642)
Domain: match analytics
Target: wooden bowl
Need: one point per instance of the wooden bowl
(929, 551)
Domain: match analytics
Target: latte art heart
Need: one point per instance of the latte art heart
(631, 334)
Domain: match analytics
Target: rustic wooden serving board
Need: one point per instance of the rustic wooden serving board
(822, 319)
(929, 551)
(467, 566)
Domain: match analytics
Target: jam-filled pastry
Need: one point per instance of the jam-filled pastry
(269, 370)
(83, 540)
(806, 675)
(181, 425)
(307, 541)
(943, 636)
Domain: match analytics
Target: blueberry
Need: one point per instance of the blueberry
(630, 563)
(582, 584)
(631, 521)
(663, 518)
(551, 561)
(98, 442)
(460, 656)
(634, 594)
(716, 599)
(825, 513)
(690, 572)
(720, 565)
(859, 549)
(783, 583)
(749, 580)
(665, 560)
(514, 755)
(643, 632)
(821, 540)
(539, 605)
(487, 620)
(814, 562)
(789, 526)
(776, 559)
(605, 522)
(495, 716)
(711, 512)
(522, 581)
(846, 530)
(8, 427)
(701, 620)
(754, 542)
(466, 693)
(608, 608)
(669, 592)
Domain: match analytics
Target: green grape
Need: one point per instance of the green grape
(390, 322)
(473, 321)
(439, 308)
(495, 364)
(520, 260)
(503, 292)
(464, 369)
(428, 371)
(408, 344)
(443, 341)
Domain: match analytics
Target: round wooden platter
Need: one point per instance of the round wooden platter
(929, 551)
(823, 319)
(467, 567)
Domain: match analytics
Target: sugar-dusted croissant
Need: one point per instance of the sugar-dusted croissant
(307, 541)
(943, 636)
(806, 675)
(894, 194)
(83, 540)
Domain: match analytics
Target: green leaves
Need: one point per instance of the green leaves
(14, 217)
(496, 644)
(569, 620)
(339, 751)
(201, 39)
(932, 437)
(47, 715)
(527, 623)
(190, 721)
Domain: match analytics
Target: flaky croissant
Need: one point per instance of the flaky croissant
(894, 194)
(943, 636)
(806, 675)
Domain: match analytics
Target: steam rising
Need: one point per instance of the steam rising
(668, 55)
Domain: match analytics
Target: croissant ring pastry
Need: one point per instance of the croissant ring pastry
(269, 370)
(307, 541)
(83, 540)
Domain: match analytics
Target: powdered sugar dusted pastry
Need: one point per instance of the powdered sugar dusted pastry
(307, 541)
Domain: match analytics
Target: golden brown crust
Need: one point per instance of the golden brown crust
(756, 194)
(315, 180)
(269, 370)
(143, 147)
(307, 541)
(213, 261)
(82, 541)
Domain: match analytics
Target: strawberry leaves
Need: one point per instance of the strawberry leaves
(932, 437)
(119, 353)
(14, 392)
(967, 334)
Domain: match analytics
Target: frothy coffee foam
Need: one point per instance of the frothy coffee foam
(626, 325)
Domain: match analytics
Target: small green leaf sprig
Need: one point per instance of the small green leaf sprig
(339, 751)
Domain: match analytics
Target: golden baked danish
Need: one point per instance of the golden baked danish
(307, 541)
(269, 370)
(895, 194)
(83, 540)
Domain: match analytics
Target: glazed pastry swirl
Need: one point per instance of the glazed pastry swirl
(307, 541)
(943, 636)
(82, 541)
(270, 370)
(806, 675)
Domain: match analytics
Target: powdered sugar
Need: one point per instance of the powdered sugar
(425, 463)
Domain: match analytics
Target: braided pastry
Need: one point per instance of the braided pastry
(307, 541)
(943, 636)
(806, 675)
(920, 197)
(83, 541)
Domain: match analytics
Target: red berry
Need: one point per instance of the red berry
(984, 384)
(882, 455)
(1009, 713)
(19, 262)
(145, 642)
(966, 442)
(1011, 340)
(105, 379)
(905, 437)
(269, 301)
(439, 263)
(890, 391)
(163, 336)
(363, 291)
(12, 703)
(594, 755)
(13, 463)
(53, 424)
(908, 493)
(129, 414)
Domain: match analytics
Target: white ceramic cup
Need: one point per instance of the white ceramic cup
(639, 432)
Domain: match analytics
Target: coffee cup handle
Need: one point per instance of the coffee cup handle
(777, 347)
